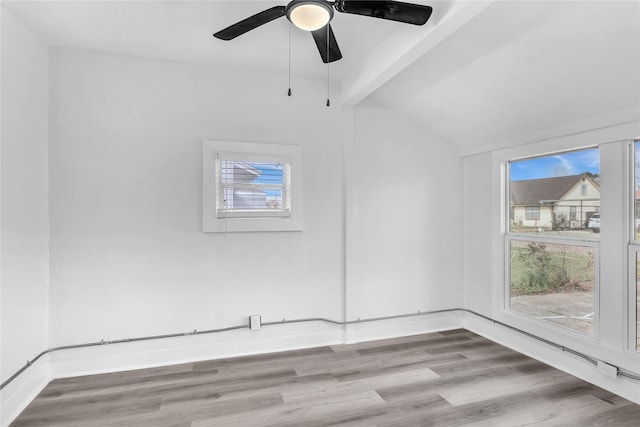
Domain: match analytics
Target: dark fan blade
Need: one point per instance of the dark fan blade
(320, 36)
(250, 23)
(408, 13)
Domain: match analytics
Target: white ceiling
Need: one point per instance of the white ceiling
(182, 31)
(522, 67)
(477, 72)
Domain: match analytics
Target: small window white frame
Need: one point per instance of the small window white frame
(217, 220)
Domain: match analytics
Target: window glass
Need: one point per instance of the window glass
(554, 283)
(532, 212)
(636, 191)
(635, 246)
(556, 194)
(637, 293)
(252, 186)
(552, 238)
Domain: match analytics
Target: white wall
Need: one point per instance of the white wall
(406, 222)
(24, 253)
(128, 255)
(478, 232)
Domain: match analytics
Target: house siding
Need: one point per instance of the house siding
(585, 205)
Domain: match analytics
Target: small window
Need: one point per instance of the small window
(573, 210)
(251, 187)
(532, 213)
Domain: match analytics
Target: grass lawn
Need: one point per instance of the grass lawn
(550, 268)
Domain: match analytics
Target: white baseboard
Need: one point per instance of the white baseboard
(392, 328)
(552, 356)
(192, 348)
(15, 397)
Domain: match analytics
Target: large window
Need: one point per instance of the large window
(552, 242)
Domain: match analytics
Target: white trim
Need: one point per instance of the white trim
(192, 348)
(564, 361)
(369, 331)
(606, 124)
(634, 250)
(17, 395)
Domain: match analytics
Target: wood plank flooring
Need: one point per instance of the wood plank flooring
(453, 378)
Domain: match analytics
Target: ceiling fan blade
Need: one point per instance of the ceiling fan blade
(250, 23)
(408, 13)
(320, 37)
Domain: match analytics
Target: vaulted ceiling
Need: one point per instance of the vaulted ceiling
(478, 72)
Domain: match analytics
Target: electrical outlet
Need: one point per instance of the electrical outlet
(255, 322)
(608, 370)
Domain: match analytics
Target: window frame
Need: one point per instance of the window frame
(633, 253)
(509, 236)
(217, 221)
(535, 214)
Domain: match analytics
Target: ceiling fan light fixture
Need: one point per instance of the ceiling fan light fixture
(309, 15)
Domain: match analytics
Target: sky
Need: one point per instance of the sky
(563, 164)
(271, 173)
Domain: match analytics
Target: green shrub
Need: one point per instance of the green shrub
(537, 269)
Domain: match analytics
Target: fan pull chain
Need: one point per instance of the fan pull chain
(289, 91)
(328, 62)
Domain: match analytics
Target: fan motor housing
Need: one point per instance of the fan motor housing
(309, 15)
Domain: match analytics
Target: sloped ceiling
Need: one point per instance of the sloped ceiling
(521, 67)
(476, 73)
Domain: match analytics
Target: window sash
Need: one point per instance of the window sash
(554, 240)
(223, 186)
(634, 216)
(634, 298)
(510, 236)
(634, 251)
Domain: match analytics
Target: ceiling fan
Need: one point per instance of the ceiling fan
(314, 16)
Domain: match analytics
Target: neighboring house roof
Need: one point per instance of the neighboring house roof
(533, 191)
(247, 168)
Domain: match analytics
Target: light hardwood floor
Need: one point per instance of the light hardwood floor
(453, 378)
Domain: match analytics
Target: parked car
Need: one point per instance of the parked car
(594, 222)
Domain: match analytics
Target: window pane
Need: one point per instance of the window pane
(252, 185)
(553, 283)
(637, 322)
(557, 194)
(636, 192)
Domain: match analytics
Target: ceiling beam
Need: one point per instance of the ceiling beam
(404, 46)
